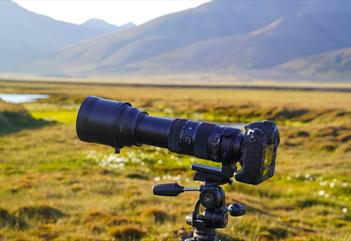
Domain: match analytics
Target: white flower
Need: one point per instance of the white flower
(111, 161)
(344, 210)
(177, 178)
(321, 193)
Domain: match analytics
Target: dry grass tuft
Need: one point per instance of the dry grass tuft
(7, 219)
(41, 214)
(137, 176)
(46, 232)
(127, 233)
(106, 219)
(159, 215)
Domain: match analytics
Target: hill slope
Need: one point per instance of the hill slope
(333, 63)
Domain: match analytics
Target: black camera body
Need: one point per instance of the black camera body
(258, 152)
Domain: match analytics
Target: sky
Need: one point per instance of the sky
(116, 12)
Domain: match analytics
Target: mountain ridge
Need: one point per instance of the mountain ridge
(229, 37)
(221, 36)
(102, 25)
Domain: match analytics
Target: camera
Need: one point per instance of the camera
(118, 124)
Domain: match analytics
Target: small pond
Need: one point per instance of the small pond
(21, 98)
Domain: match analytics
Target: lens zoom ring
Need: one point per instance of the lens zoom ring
(201, 139)
(174, 135)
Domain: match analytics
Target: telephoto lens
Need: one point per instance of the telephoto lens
(119, 124)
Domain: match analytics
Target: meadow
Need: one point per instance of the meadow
(54, 187)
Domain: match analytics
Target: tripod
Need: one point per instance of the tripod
(212, 198)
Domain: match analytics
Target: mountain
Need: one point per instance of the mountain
(282, 40)
(26, 37)
(212, 20)
(225, 36)
(126, 26)
(219, 37)
(101, 25)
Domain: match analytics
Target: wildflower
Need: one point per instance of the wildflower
(321, 193)
(177, 178)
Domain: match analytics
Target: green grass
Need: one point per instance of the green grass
(54, 187)
(61, 116)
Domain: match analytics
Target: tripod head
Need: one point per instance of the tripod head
(212, 198)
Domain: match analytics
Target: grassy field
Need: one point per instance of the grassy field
(54, 187)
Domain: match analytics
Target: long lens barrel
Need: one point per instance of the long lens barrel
(118, 124)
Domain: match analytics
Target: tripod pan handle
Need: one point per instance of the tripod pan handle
(168, 189)
(236, 209)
